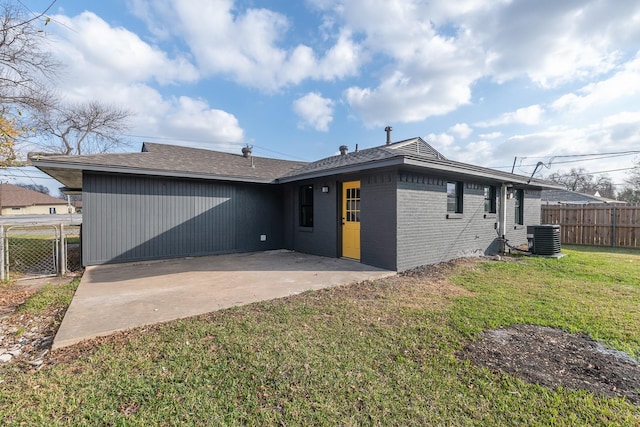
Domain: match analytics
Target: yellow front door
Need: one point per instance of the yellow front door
(351, 219)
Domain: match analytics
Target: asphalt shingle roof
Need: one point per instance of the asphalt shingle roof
(413, 152)
(162, 159)
(170, 160)
(171, 157)
(569, 197)
(414, 146)
(13, 196)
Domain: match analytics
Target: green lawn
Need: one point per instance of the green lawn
(375, 353)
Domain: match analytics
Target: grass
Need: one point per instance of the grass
(381, 353)
(50, 296)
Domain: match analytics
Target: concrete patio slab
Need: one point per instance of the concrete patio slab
(121, 296)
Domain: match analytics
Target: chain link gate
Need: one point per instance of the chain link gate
(72, 248)
(30, 251)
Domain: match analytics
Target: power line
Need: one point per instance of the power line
(596, 156)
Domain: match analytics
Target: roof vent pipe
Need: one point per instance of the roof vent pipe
(343, 150)
(388, 130)
(246, 151)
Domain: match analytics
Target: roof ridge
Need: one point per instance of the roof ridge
(208, 150)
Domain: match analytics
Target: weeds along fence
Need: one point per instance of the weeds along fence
(39, 250)
(590, 225)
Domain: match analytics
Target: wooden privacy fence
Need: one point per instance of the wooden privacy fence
(606, 225)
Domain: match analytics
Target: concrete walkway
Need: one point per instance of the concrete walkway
(121, 296)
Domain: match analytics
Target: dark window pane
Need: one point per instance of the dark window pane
(490, 199)
(519, 207)
(454, 197)
(306, 206)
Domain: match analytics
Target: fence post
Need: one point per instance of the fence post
(613, 225)
(2, 253)
(63, 253)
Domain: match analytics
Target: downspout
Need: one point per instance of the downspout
(502, 217)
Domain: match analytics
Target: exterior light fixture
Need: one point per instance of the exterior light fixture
(325, 188)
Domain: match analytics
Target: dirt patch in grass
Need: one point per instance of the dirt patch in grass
(26, 338)
(11, 297)
(554, 358)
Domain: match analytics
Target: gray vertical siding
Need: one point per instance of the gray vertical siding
(378, 220)
(132, 218)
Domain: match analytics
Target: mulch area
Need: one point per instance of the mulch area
(25, 339)
(553, 358)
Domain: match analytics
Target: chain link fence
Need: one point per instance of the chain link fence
(71, 234)
(30, 251)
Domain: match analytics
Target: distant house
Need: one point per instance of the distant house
(395, 206)
(568, 197)
(77, 205)
(15, 200)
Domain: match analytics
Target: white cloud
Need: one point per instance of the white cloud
(247, 45)
(490, 135)
(623, 84)
(116, 66)
(430, 74)
(97, 53)
(315, 110)
(411, 97)
(531, 115)
(436, 51)
(477, 152)
(556, 42)
(615, 133)
(193, 119)
(440, 141)
(401, 61)
(462, 130)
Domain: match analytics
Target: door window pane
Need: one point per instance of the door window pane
(352, 204)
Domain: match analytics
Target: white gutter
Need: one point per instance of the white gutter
(502, 216)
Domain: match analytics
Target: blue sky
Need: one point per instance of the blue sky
(482, 81)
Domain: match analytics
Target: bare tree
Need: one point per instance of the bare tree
(631, 192)
(634, 177)
(629, 195)
(574, 180)
(584, 182)
(25, 67)
(25, 64)
(29, 107)
(85, 128)
(35, 187)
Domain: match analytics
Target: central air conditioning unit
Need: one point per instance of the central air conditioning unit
(544, 239)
